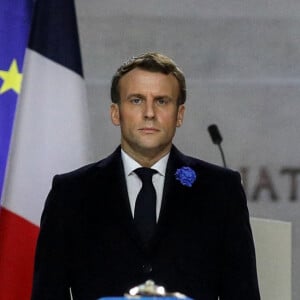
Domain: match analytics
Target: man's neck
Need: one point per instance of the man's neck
(146, 159)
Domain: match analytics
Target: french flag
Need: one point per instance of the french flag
(50, 136)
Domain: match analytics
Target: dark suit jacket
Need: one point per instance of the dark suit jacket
(202, 246)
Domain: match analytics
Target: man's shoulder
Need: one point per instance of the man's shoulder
(90, 170)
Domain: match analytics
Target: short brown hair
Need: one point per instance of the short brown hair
(152, 62)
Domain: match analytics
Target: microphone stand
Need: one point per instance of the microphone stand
(217, 139)
(222, 155)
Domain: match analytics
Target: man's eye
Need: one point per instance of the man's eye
(136, 100)
(162, 101)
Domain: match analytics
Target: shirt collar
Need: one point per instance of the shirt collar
(130, 164)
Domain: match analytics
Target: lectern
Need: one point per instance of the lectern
(149, 291)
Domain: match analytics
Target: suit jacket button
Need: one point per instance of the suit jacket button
(147, 268)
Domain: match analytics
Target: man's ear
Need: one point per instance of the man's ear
(115, 114)
(180, 115)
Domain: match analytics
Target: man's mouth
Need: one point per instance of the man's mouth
(148, 130)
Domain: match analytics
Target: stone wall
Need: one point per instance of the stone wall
(241, 59)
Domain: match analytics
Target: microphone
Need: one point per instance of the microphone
(217, 139)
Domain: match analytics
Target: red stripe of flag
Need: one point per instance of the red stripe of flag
(17, 247)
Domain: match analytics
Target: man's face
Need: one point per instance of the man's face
(148, 113)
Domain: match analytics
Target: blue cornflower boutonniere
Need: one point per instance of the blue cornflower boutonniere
(186, 176)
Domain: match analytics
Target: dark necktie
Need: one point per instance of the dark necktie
(145, 205)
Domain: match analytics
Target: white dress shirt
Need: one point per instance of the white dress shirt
(134, 183)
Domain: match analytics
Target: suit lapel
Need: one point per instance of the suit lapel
(173, 196)
(120, 206)
(170, 191)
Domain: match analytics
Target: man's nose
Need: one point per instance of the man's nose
(149, 109)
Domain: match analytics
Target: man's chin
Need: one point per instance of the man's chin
(154, 149)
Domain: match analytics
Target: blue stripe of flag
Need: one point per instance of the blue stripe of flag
(53, 26)
(15, 16)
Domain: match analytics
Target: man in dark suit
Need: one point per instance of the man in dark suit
(97, 239)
